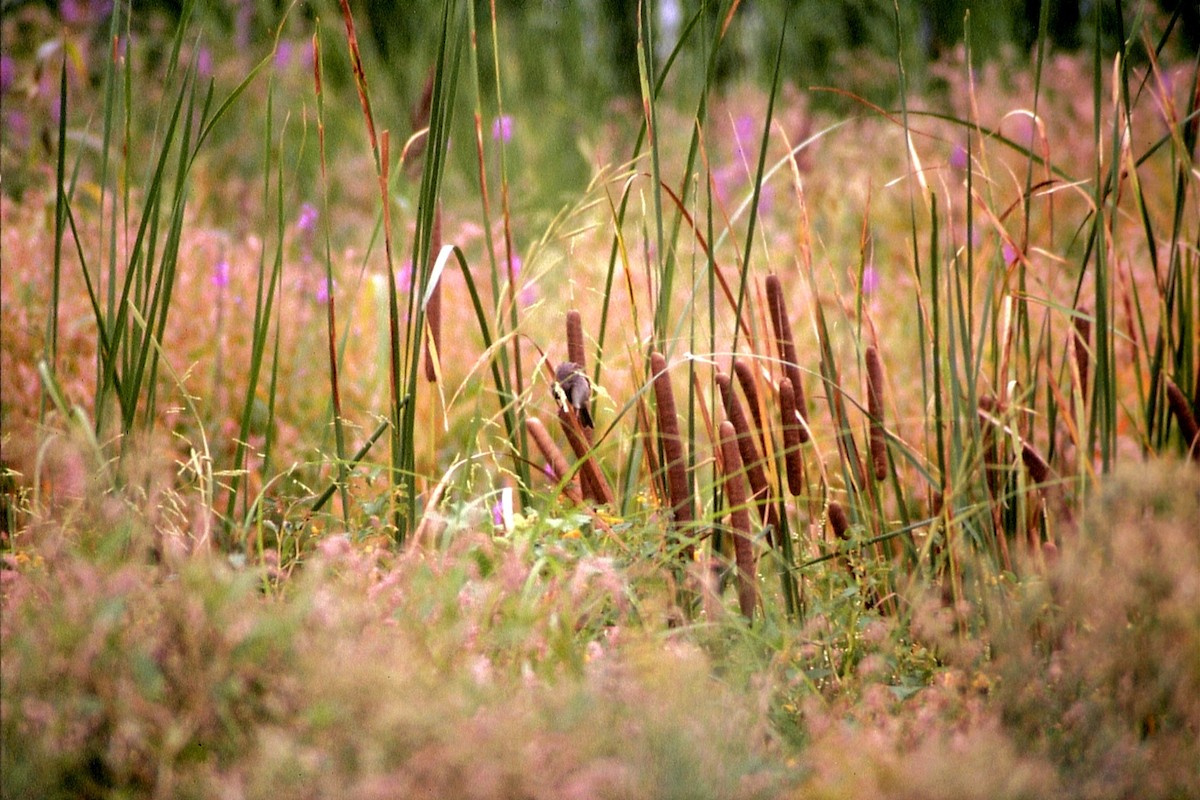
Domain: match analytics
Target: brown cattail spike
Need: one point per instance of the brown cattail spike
(1185, 418)
(735, 495)
(554, 457)
(838, 520)
(1081, 343)
(433, 311)
(575, 351)
(754, 469)
(745, 376)
(791, 437)
(672, 445)
(875, 409)
(1039, 470)
(841, 528)
(787, 348)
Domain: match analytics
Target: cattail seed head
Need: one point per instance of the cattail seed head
(786, 346)
(735, 494)
(838, 520)
(875, 408)
(672, 444)
(575, 351)
(791, 437)
(1039, 470)
(1183, 415)
(749, 454)
(1081, 342)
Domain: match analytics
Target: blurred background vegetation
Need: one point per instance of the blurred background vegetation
(568, 60)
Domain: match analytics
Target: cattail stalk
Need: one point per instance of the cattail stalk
(838, 520)
(595, 485)
(749, 453)
(879, 456)
(840, 524)
(575, 351)
(672, 445)
(791, 437)
(1081, 343)
(1183, 415)
(745, 376)
(739, 520)
(787, 348)
(433, 310)
(1039, 470)
(554, 457)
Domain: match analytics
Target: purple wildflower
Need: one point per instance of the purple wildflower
(1010, 253)
(958, 157)
(220, 276)
(283, 55)
(322, 294)
(502, 128)
(743, 131)
(766, 198)
(8, 72)
(870, 280)
(204, 63)
(307, 220)
(405, 276)
(83, 12)
(498, 514)
(16, 128)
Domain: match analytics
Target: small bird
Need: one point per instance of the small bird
(573, 389)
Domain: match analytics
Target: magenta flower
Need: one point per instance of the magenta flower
(405, 276)
(766, 198)
(744, 128)
(307, 220)
(220, 276)
(322, 293)
(870, 280)
(283, 55)
(958, 157)
(1010, 253)
(204, 63)
(502, 128)
(82, 12)
(8, 72)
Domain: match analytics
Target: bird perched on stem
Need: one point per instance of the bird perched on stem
(573, 389)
